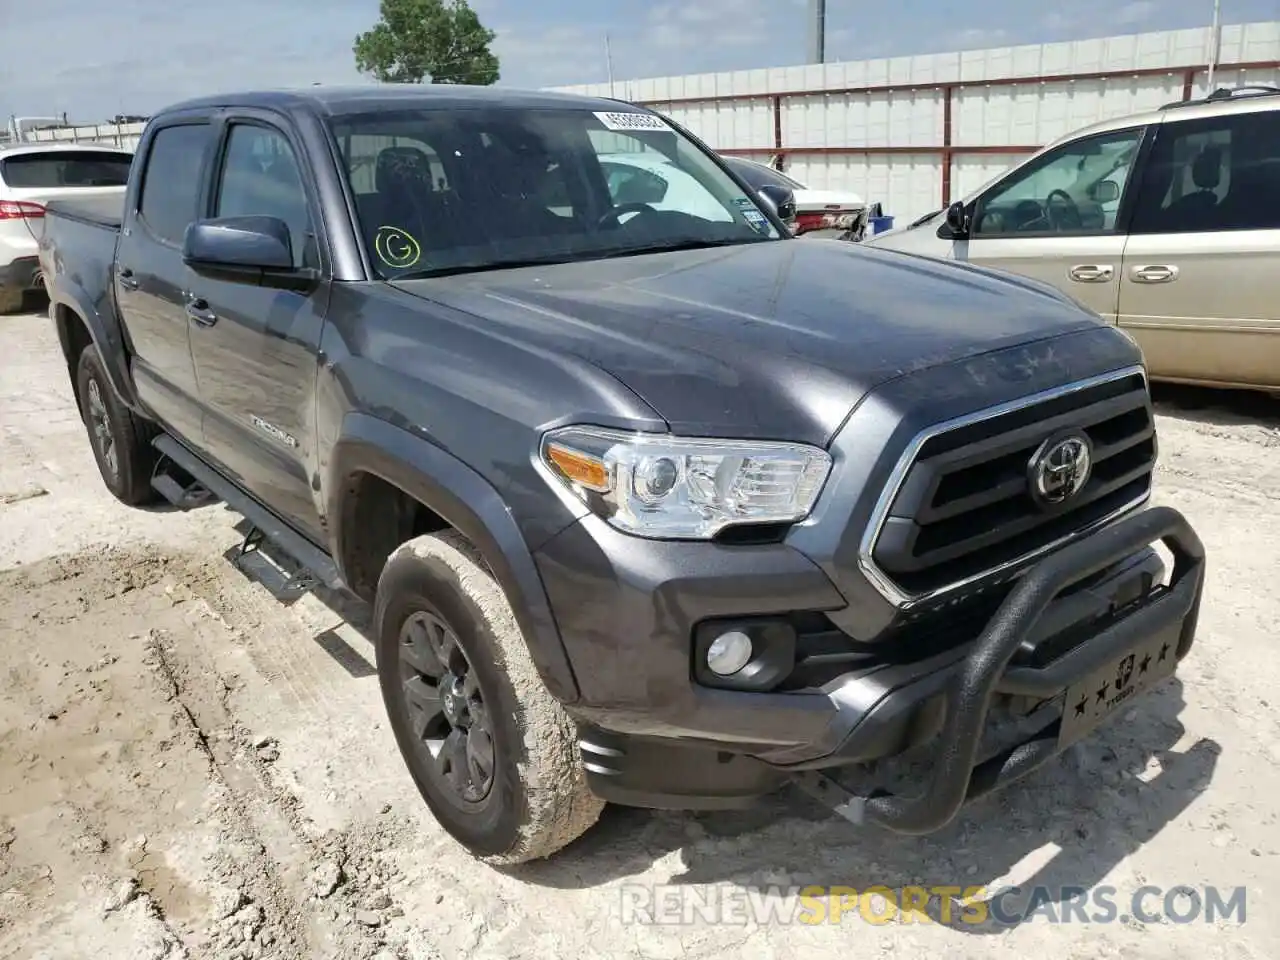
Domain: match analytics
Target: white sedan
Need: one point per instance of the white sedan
(819, 213)
(32, 174)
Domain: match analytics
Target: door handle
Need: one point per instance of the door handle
(1154, 273)
(1091, 272)
(127, 279)
(198, 310)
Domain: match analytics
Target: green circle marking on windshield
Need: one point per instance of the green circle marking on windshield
(396, 248)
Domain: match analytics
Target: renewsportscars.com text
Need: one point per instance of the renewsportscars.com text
(951, 905)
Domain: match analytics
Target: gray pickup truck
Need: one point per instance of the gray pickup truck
(654, 503)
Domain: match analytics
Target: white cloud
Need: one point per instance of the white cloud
(976, 38)
(1136, 13)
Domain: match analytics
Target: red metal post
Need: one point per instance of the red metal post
(777, 131)
(947, 152)
(1188, 83)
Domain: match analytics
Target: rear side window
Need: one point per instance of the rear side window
(171, 180)
(65, 168)
(1206, 176)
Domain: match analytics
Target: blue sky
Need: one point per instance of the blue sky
(96, 58)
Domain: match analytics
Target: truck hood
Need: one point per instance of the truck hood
(766, 340)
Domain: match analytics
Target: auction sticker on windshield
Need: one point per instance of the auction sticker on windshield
(631, 121)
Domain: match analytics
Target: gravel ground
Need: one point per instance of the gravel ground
(192, 767)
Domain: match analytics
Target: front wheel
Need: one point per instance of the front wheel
(492, 752)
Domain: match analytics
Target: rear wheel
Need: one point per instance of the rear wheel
(491, 751)
(10, 300)
(121, 440)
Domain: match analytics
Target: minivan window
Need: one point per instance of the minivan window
(65, 168)
(1075, 189)
(171, 180)
(487, 187)
(1221, 173)
(260, 177)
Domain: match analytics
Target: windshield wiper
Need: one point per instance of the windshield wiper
(430, 272)
(671, 245)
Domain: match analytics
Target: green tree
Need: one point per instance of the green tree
(442, 40)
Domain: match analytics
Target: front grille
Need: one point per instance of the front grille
(964, 506)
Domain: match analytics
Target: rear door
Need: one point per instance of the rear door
(256, 348)
(1060, 218)
(151, 281)
(1201, 273)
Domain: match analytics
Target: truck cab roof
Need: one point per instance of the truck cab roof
(338, 100)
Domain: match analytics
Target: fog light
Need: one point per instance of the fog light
(729, 653)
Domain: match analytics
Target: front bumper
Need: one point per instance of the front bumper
(747, 744)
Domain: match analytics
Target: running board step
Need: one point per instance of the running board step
(183, 497)
(267, 525)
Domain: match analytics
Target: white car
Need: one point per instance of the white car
(819, 213)
(32, 174)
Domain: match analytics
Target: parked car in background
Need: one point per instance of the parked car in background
(833, 214)
(32, 174)
(1165, 223)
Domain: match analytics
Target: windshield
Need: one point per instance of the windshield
(66, 168)
(445, 191)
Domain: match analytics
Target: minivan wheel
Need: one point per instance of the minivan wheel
(491, 751)
(120, 440)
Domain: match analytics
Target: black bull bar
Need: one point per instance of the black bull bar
(954, 779)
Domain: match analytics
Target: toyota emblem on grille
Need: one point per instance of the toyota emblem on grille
(1060, 468)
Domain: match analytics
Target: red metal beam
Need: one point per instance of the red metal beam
(966, 84)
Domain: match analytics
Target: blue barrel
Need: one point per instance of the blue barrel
(880, 224)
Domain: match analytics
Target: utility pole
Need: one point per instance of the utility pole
(817, 31)
(1215, 41)
(608, 59)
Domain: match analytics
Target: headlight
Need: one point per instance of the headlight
(660, 486)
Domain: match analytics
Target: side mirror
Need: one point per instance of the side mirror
(255, 250)
(781, 199)
(957, 221)
(1104, 191)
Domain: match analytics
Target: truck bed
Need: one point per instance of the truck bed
(106, 211)
(82, 233)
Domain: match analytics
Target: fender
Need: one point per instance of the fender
(472, 506)
(104, 330)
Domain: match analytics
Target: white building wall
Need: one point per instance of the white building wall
(1028, 114)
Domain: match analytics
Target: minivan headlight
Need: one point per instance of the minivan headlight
(685, 488)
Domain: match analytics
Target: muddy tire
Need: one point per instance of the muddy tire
(10, 300)
(121, 441)
(492, 752)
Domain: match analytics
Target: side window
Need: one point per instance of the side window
(171, 180)
(1076, 189)
(1212, 175)
(260, 177)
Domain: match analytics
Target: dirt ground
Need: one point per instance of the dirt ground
(192, 768)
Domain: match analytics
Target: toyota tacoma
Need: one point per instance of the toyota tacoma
(654, 504)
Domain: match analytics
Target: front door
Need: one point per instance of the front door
(1060, 219)
(256, 348)
(1201, 273)
(151, 280)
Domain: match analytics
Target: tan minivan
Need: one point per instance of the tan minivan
(1166, 223)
